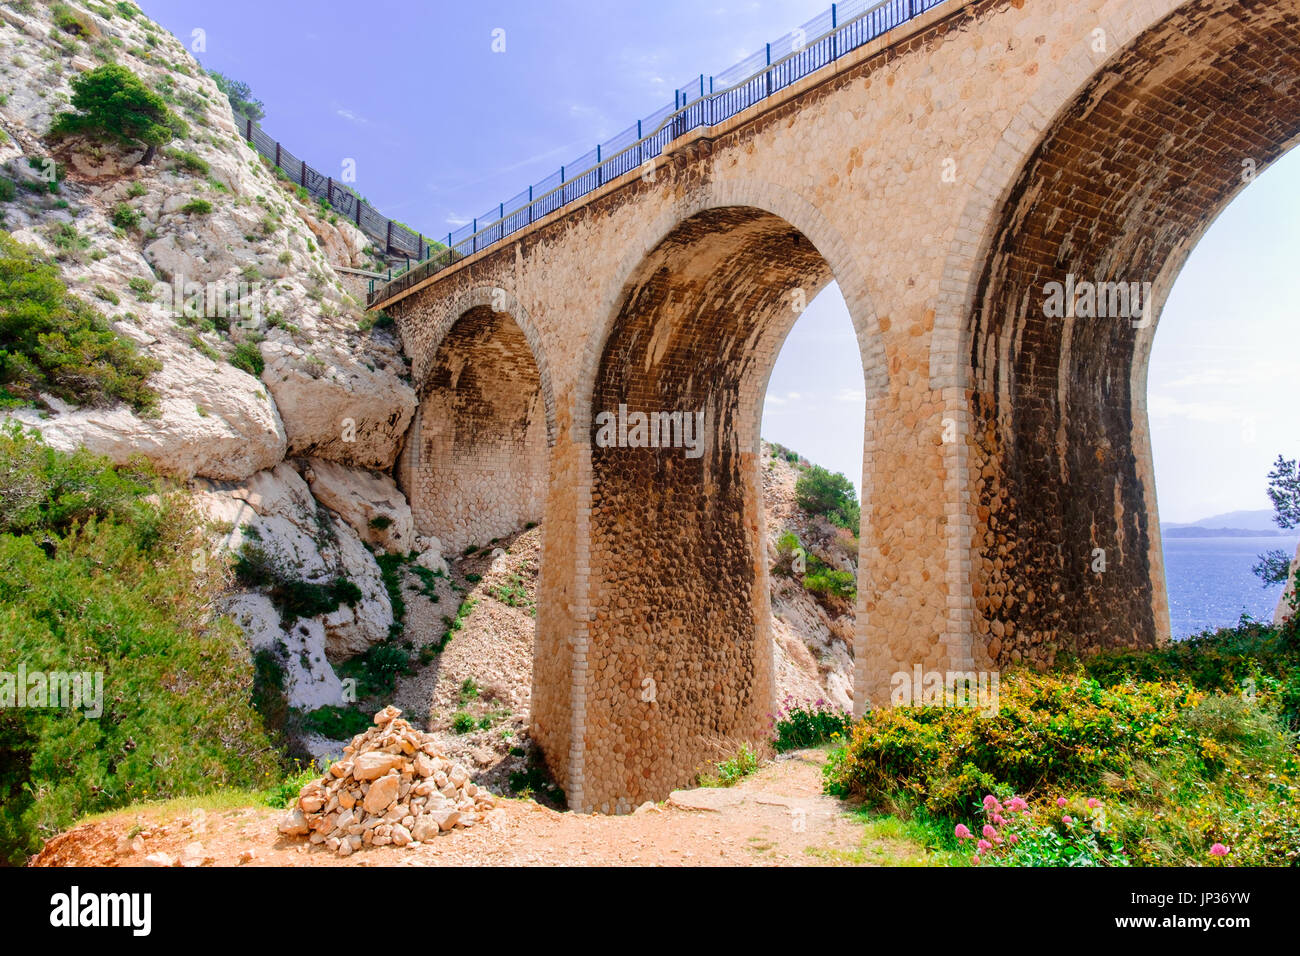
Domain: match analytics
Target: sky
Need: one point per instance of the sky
(441, 128)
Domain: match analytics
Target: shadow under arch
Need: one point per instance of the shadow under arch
(677, 661)
(475, 463)
(1065, 554)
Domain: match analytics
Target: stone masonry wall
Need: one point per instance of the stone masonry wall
(940, 175)
(474, 467)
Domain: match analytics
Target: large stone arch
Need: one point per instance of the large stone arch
(751, 228)
(474, 466)
(1118, 185)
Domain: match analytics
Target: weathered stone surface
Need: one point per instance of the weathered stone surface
(381, 794)
(367, 501)
(304, 542)
(334, 406)
(215, 421)
(372, 766)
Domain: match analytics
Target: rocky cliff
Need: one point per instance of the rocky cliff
(280, 402)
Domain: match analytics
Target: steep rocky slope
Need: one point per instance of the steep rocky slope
(278, 399)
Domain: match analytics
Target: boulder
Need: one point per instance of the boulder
(334, 406)
(368, 501)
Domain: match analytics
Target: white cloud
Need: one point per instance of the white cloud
(351, 116)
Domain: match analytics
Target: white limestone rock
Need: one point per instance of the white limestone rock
(336, 407)
(214, 421)
(275, 511)
(1283, 611)
(368, 501)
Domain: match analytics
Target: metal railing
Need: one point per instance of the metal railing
(397, 239)
(706, 102)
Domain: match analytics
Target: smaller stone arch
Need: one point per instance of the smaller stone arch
(475, 462)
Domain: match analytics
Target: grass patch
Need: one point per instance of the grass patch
(731, 771)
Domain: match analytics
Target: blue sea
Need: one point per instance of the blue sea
(1210, 584)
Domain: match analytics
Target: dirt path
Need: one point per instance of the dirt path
(778, 816)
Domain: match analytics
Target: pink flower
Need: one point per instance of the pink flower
(975, 859)
(984, 845)
(1093, 803)
(1067, 819)
(1013, 838)
(1218, 850)
(1016, 804)
(962, 832)
(989, 832)
(1060, 801)
(999, 819)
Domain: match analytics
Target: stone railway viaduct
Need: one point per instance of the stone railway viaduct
(942, 175)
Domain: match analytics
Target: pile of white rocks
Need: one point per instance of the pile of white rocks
(394, 786)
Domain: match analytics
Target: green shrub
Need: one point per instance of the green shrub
(469, 690)
(1050, 731)
(248, 357)
(1177, 770)
(197, 207)
(72, 22)
(800, 725)
(295, 598)
(831, 495)
(336, 723)
(99, 577)
(1251, 658)
(733, 770)
(51, 341)
(829, 581)
(124, 217)
(240, 96)
(376, 671)
(514, 593)
(284, 794)
(463, 723)
(112, 104)
(7, 189)
(190, 161)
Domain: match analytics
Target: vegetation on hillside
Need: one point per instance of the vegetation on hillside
(830, 495)
(52, 342)
(101, 573)
(112, 104)
(1197, 767)
(240, 95)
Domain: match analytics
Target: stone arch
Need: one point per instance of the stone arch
(733, 248)
(1119, 187)
(474, 466)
